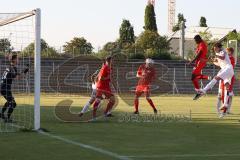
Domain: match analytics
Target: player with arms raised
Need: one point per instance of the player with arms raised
(200, 62)
(225, 74)
(8, 76)
(146, 74)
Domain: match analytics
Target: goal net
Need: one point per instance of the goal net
(20, 35)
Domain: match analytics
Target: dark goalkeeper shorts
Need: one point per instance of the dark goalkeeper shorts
(7, 94)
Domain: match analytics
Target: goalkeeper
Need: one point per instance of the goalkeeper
(7, 78)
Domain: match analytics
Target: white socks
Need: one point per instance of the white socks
(85, 108)
(226, 98)
(219, 103)
(210, 85)
(230, 103)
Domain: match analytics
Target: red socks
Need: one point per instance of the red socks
(195, 83)
(196, 79)
(109, 107)
(136, 102)
(95, 106)
(151, 103)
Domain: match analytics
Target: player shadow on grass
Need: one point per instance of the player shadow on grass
(64, 112)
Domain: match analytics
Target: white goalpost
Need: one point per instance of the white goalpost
(37, 69)
(20, 34)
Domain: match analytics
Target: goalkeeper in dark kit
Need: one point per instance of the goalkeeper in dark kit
(8, 76)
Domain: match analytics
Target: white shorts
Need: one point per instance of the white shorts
(93, 96)
(226, 74)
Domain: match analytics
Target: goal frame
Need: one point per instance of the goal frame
(37, 69)
(37, 57)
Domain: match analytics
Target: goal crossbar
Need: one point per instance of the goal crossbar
(16, 18)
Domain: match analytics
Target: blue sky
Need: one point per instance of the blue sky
(99, 20)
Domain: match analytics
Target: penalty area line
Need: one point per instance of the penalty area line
(89, 147)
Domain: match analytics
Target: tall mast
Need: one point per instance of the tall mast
(171, 14)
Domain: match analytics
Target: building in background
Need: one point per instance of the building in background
(217, 33)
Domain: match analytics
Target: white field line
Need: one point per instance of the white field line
(114, 155)
(81, 145)
(183, 156)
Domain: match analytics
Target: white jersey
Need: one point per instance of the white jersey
(94, 87)
(226, 62)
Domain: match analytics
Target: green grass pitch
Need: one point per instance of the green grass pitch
(205, 137)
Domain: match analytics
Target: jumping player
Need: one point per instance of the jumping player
(8, 76)
(146, 74)
(225, 74)
(222, 90)
(200, 62)
(104, 89)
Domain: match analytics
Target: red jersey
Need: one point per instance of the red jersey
(148, 74)
(202, 47)
(232, 59)
(105, 72)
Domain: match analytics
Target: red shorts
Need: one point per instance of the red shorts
(104, 93)
(197, 70)
(140, 89)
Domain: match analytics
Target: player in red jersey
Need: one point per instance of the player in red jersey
(222, 94)
(146, 74)
(103, 88)
(200, 62)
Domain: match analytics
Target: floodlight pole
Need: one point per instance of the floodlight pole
(182, 40)
(37, 69)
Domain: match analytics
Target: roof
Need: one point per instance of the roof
(190, 32)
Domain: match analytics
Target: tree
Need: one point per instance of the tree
(181, 19)
(126, 33)
(150, 18)
(108, 49)
(50, 52)
(5, 46)
(203, 22)
(46, 50)
(234, 35)
(207, 37)
(153, 45)
(111, 47)
(78, 46)
(149, 39)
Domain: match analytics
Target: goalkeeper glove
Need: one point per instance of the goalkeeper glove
(26, 70)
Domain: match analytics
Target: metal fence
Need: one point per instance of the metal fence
(72, 76)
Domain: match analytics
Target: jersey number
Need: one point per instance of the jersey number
(4, 76)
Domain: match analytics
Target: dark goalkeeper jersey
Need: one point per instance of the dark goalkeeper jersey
(7, 77)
